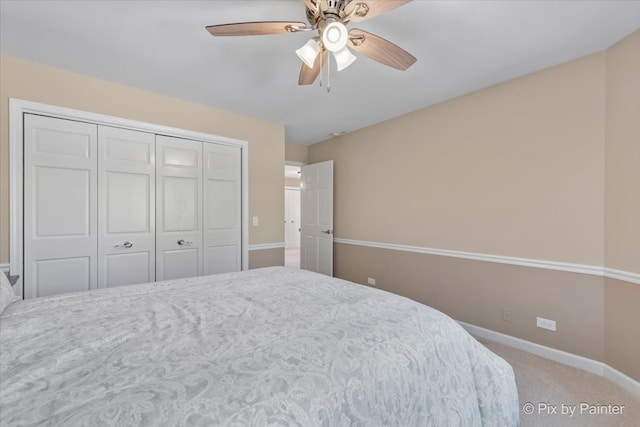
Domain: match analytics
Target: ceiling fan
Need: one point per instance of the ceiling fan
(329, 18)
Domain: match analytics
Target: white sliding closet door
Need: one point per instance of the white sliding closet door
(126, 207)
(179, 208)
(222, 208)
(60, 205)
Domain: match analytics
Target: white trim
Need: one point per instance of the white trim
(598, 368)
(15, 190)
(245, 205)
(623, 381)
(5, 268)
(292, 163)
(18, 107)
(626, 276)
(559, 356)
(265, 246)
(525, 262)
(103, 119)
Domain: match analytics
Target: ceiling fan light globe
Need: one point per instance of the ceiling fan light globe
(309, 52)
(343, 58)
(335, 36)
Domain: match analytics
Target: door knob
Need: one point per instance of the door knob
(327, 231)
(126, 245)
(182, 242)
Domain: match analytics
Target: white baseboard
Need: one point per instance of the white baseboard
(4, 267)
(623, 381)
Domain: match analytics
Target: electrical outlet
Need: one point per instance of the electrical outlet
(506, 314)
(371, 281)
(543, 323)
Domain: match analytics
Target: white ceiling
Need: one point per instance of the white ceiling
(162, 46)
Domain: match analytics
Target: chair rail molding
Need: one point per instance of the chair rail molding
(593, 270)
(265, 246)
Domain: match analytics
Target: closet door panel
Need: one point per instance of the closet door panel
(61, 213)
(223, 208)
(180, 263)
(126, 207)
(127, 202)
(179, 197)
(222, 205)
(127, 269)
(60, 206)
(180, 203)
(75, 270)
(221, 259)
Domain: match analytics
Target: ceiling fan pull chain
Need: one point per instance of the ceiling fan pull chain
(321, 70)
(328, 73)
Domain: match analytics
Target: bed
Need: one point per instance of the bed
(272, 346)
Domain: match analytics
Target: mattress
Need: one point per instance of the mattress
(271, 346)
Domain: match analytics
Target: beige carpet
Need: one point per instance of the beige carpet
(546, 384)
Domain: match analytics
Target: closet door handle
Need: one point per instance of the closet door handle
(182, 242)
(126, 245)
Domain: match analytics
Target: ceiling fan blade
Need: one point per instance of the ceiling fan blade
(365, 9)
(255, 28)
(380, 50)
(309, 75)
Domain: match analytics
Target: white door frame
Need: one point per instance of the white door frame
(17, 109)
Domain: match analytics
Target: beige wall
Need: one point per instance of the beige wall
(296, 153)
(512, 170)
(622, 205)
(476, 292)
(266, 258)
(38, 83)
(537, 167)
(622, 326)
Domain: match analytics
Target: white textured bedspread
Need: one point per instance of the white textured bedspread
(265, 347)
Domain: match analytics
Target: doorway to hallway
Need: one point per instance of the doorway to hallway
(292, 216)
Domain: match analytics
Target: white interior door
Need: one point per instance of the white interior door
(316, 216)
(60, 206)
(126, 207)
(292, 217)
(179, 208)
(222, 208)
